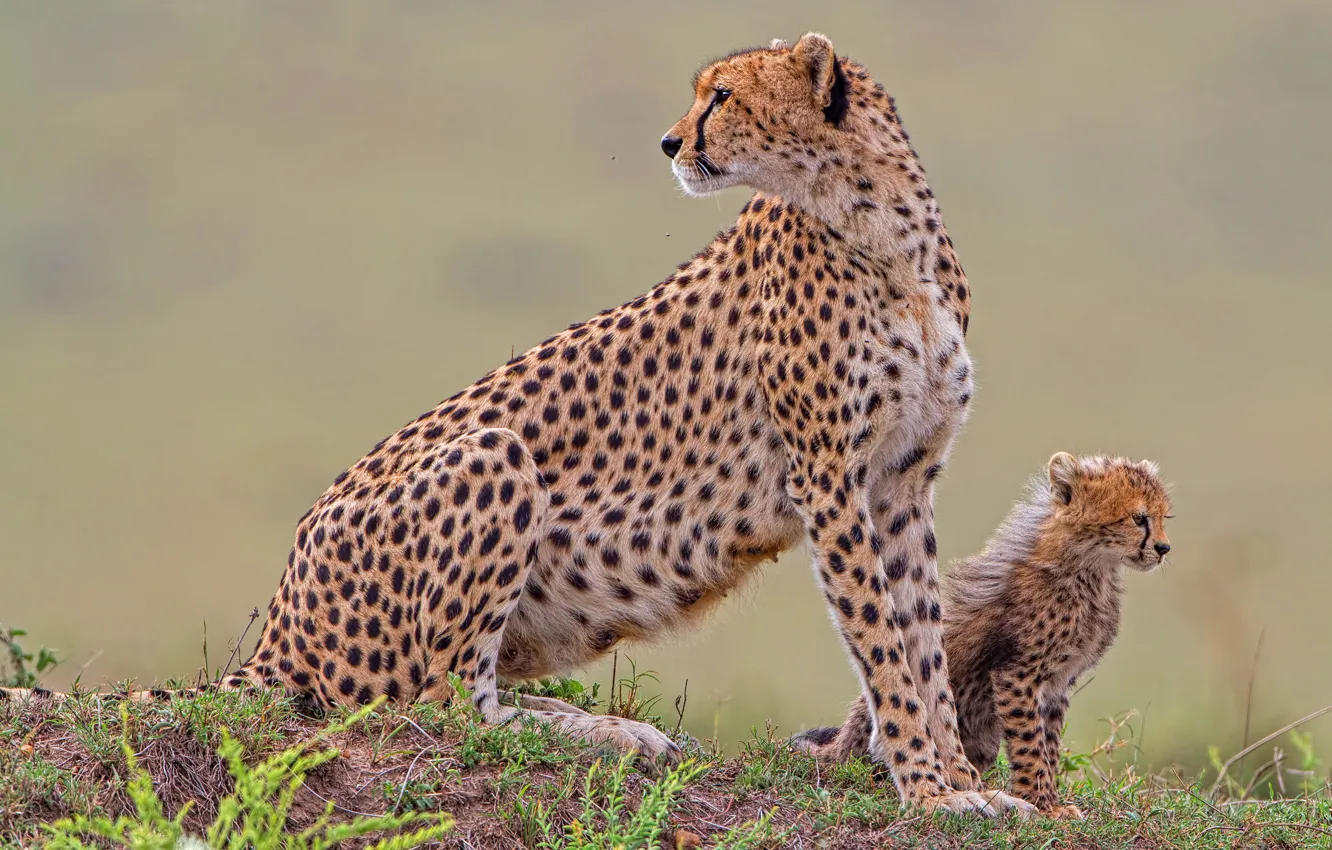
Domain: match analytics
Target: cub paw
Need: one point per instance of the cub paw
(829, 743)
(814, 741)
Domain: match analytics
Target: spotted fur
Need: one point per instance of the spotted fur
(800, 379)
(1034, 611)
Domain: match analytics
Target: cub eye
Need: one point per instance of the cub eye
(721, 95)
(1140, 520)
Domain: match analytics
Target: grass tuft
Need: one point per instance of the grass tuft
(249, 769)
(255, 815)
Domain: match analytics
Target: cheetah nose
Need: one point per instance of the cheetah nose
(1162, 548)
(670, 145)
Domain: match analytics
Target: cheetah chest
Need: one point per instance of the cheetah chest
(919, 379)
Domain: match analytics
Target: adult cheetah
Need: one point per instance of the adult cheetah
(800, 379)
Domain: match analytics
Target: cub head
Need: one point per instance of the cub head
(763, 118)
(1115, 506)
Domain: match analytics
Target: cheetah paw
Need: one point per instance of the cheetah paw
(654, 747)
(1068, 812)
(988, 803)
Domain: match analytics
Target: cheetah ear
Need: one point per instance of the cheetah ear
(778, 44)
(1063, 471)
(815, 52)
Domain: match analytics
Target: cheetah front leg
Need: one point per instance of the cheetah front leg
(904, 519)
(848, 565)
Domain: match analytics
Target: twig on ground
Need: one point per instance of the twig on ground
(1253, 677)
(405, 781)
(1225, 768)
(254, 615)
(335, 805)
(680, 703)
(1227, 828)
(203, 672)
(1294, 825)
(91, 658)
(415, 726)
(374, 777)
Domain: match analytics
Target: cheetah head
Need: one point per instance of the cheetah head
(1114, 507)
(763, 118)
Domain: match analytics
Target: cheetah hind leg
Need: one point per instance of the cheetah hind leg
(467, 625)
(613, 733)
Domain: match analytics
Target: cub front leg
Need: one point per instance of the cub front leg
(1053, 709)
(1032, 743)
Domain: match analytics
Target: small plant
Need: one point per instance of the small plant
(1098, 763)
(768, 763)
(33, 786)
(516, 746)
(252, 716)
(1307, 771)
(419, 794)
(571, 691)
(607, 820)
(254, 816)
(1227, 786)
(624, 697)
(23, 669)
(752, 836)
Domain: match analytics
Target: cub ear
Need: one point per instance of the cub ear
(778, 44)
(815, 52)
(1063, 471)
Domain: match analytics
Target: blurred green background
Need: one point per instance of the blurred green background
(240, 242)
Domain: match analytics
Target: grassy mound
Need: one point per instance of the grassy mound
(254, 770)
(127, 769)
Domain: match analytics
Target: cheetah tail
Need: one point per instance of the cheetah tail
(242, 679)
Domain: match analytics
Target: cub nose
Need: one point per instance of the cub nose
(670, 145)
(1162, 548)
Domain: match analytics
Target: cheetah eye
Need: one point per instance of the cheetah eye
(720, 96)
(1140, 520)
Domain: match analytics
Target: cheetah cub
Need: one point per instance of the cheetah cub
(1034, 610)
